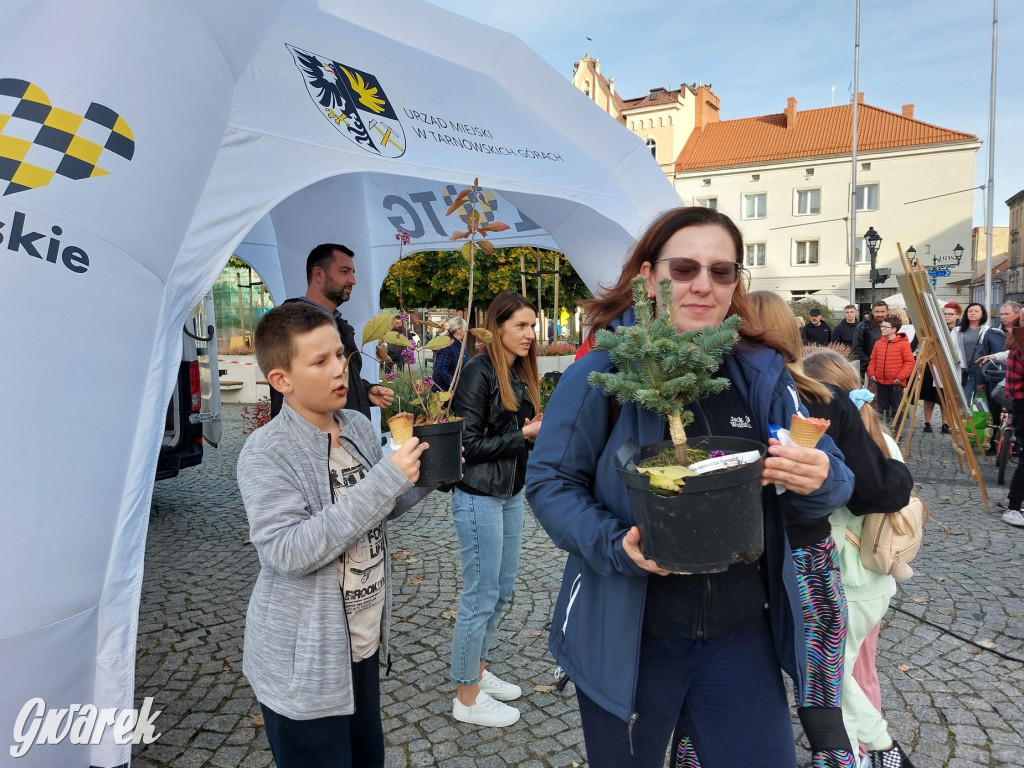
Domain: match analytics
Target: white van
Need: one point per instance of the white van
(193, 413)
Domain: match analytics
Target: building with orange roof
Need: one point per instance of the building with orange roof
(786, 180)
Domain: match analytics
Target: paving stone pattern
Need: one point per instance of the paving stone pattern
(949, 698)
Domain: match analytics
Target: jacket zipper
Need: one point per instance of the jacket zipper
(702, 612)
(636, 671)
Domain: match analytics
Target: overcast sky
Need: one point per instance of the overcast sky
(935, 54)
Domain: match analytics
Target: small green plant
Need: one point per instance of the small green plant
(659, 367)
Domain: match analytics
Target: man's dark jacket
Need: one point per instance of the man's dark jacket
(843, 333)
(358, 387)
(865, 335)
(816, 334)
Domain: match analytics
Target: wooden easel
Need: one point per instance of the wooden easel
(947, 380)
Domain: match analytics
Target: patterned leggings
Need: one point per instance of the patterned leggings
(824, 612)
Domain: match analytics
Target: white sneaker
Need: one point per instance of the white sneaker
(497, 688)
(485, 711)
(1013, 517)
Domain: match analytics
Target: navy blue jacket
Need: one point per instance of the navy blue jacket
(580, 501)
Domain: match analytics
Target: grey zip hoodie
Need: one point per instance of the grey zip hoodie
(297, 655)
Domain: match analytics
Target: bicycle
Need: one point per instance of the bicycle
(996, 373)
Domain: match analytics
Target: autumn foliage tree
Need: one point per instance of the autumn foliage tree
(441, 279)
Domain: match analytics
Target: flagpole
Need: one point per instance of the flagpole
(853, 162)
(990, 190)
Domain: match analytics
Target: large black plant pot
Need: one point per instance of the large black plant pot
(441, 463)
(717, 519)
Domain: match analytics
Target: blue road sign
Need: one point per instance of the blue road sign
(934, 282)
(938, 273)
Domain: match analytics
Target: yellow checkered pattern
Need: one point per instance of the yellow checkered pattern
(451, 192)
(39, 141)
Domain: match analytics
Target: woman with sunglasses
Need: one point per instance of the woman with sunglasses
(645, 646)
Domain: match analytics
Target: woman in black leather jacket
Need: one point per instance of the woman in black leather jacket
(498, 397)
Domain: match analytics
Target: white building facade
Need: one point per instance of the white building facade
(785, 179)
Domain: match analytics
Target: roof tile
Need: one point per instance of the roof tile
(816, 133)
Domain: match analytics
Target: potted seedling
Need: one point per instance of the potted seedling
(429, 415)
(696, 502)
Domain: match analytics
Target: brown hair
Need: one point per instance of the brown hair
(616, 299)
(504, 305)
(828, 366)
(782, 335)
(895, 321)
(274, 339)
(323, 256)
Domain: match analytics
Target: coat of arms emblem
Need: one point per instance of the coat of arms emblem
(353, 101)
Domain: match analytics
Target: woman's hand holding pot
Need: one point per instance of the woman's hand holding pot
(631, 544)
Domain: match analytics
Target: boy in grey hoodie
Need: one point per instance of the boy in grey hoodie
(317, 492)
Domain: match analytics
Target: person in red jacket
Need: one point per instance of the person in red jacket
(891, 364)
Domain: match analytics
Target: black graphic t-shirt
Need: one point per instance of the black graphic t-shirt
(361, 570)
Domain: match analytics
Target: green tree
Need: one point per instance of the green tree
(661, 368)
(441, 279)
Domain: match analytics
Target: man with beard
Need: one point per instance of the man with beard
(818, 332)
(330, 277)
(866, 334)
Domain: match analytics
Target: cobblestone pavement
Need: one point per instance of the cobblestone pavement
(949, 696)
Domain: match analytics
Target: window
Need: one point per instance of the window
(755, 177)
(653, 146)
(707, 202)
(808, 201)
(705, 182)
(753, 255)
(867, 197)
(805, 252)
(755, 206)
(865, 166)
(861, 255)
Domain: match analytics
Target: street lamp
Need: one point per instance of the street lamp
(912, 255)
(873, 240)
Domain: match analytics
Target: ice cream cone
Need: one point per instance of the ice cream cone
(401, 427)
(806, 432)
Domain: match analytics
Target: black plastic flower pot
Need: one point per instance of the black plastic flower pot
(441, 463)
(717, 520)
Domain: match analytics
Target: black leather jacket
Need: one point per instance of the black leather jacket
(492, 437)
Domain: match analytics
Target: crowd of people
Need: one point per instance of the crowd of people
(690, 664)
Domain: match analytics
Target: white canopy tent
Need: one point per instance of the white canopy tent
(141, 144)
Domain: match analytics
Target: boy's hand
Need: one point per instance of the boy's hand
(407, 457)
(380, 396)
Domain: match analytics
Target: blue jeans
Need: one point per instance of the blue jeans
(491, 533)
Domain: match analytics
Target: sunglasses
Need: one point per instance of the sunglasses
(683, 270)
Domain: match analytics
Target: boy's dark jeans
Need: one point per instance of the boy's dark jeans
(341, 741)
(888, 397)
